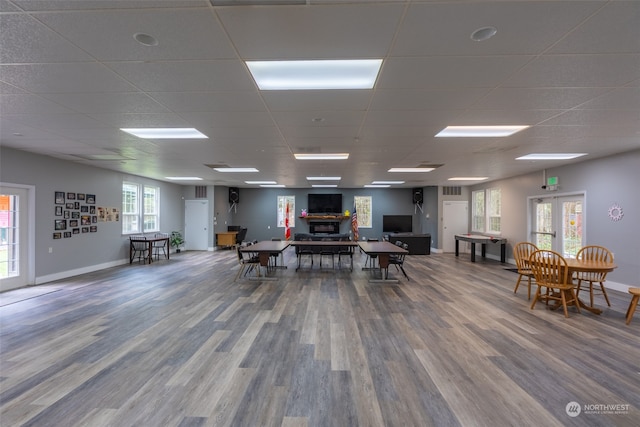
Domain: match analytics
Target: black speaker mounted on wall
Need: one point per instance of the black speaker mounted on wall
(418, 196)
(234, 195)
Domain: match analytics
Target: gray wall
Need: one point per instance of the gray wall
(604, 181)
(81, 251)
(257, 210)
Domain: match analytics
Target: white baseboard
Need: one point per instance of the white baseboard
(70, 273)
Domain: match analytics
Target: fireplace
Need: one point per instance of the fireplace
(324, 227)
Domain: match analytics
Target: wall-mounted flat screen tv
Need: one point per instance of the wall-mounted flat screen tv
(324, 204)
(397, 224)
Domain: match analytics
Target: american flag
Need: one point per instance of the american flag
(354, 223)
(287, 230)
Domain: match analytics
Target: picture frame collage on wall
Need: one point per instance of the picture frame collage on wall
(78, 214)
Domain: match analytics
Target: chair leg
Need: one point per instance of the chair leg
(604, 292)
(517, 283)
(632, 307)
(536, 296)
(529, 288)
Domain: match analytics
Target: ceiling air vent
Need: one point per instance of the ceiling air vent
(452, 191)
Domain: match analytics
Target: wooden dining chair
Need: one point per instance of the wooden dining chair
(633, 304)
(593, 253)
(551, 272)
(521, 252)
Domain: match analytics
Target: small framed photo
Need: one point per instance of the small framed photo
(71, 196)
(59, 197)
(76, 231)
(58, 210)
(84, 208)
(92, 210)
(91, 199)
(67, 214)
(67, 234)
(60, 224)
(73, 223)
(85, 229)
(85, 220)
(94, 219)
(76, 205)
(57, 235)
(80, 196)
(70, 205)
(75, 215)
(93, 228)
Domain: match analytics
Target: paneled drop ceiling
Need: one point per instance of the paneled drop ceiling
(72, 74)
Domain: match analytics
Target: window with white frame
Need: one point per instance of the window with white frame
(494, 210)
(477, 211)
(364, 209)
(140, 208)
(282, 210)
(486, 211)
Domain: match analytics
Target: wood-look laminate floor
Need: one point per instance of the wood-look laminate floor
(179, 343)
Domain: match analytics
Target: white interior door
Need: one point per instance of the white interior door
(558, 223)
(14, 238)
(455, 220)
(196, 234)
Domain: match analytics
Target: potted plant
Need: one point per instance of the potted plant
(176, 240)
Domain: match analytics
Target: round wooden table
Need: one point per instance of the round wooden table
(588, 266)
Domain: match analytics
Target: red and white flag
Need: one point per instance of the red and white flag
(287, 230)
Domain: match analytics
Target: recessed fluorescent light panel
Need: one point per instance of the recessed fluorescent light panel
(311, 75)
(324, 178)
(551, 156)
(410, 170)
(236, 169)
(324, 185)
(479, 131)
(377, 185)
(260, 182)
(272, 185)
(387, 182)
(325, 156)
(468, 178)
(165, 133)
(183, 178)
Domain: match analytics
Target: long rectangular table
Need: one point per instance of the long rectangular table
(264, 249)
(483, 240)
(383, 250)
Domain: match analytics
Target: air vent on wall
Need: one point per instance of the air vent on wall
(201, 191)
(452, 191)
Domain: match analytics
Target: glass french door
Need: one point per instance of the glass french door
(13, 238)
(558, 223)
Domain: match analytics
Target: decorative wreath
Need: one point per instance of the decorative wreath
(615, 212)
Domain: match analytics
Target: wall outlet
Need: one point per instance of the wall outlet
(50, 250)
